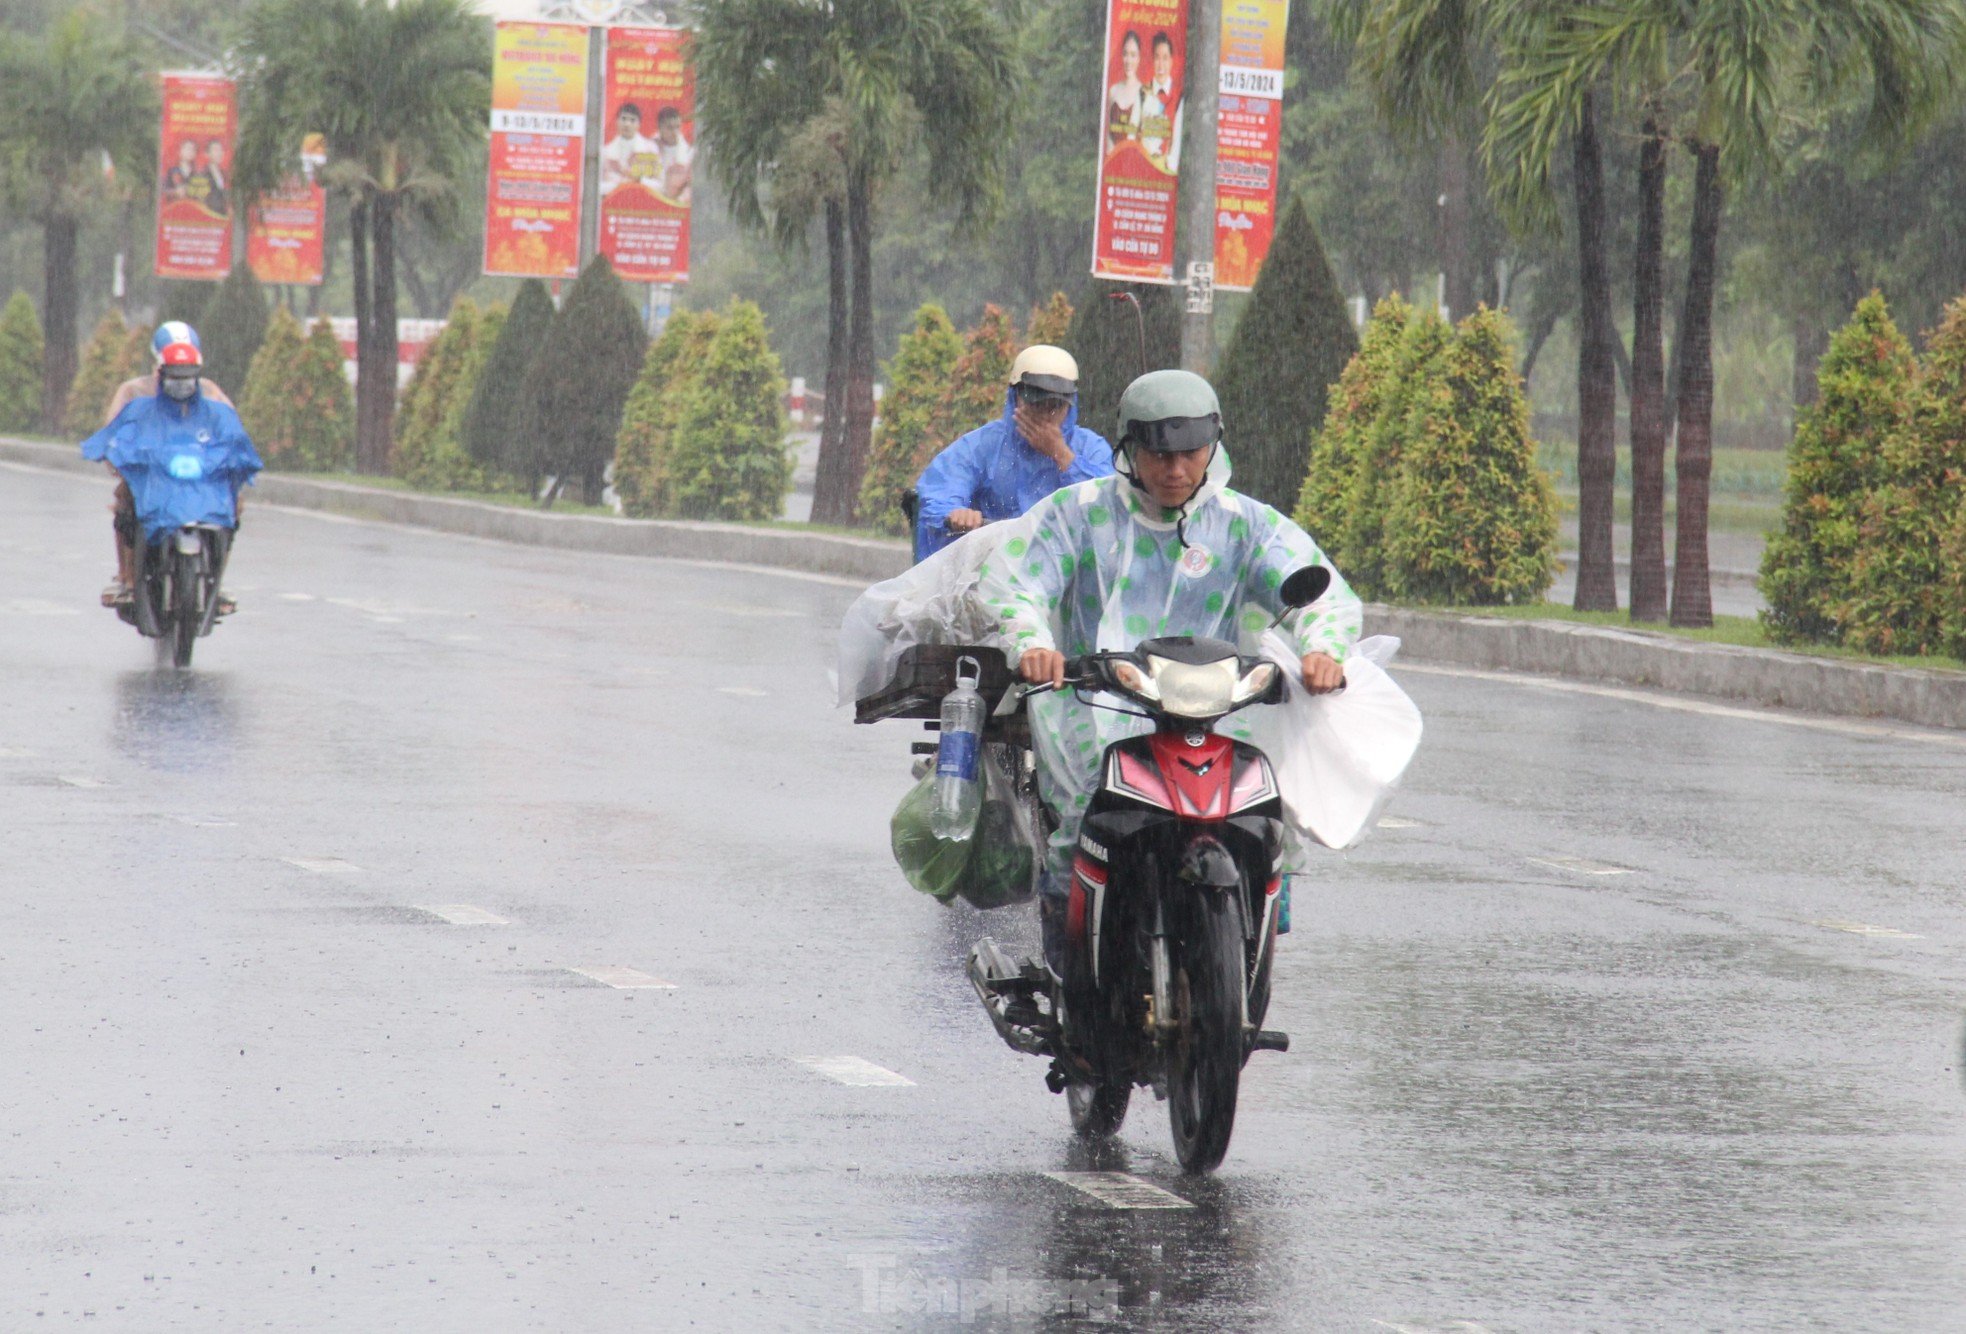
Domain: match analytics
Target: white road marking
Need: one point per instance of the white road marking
(15, 753)
(322, 865)
(623, 979)
(1843, 726)
(1451, 1327)
(296, 597)
(38, 607)
(464, 914)
(855, 1072)
(1862, 929)
(205, 822)
(1121, 1190)
(731, 609)
(1580, 866)
(1395, 822)
(77, 780)
(747, 692)
(464, 639)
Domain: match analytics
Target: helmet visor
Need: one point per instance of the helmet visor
(1174, 435)
(1042, 399)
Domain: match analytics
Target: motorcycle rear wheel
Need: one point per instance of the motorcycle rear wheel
(1098, 1109)
(1205, 1063)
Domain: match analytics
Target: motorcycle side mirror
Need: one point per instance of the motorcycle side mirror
(1305, 586)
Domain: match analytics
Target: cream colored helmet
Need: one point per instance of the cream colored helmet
(1045, 369)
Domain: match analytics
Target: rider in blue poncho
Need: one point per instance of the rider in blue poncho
(1001, 470)
(183, 455)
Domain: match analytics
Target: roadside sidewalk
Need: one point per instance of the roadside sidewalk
(1555, 648)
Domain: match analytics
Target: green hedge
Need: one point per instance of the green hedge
(296, 402)
(642, 451)
(20, 365)
(728, 458)
(911, 428)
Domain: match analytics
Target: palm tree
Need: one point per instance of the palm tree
(71, 104)
(401, 92)
(810, 109)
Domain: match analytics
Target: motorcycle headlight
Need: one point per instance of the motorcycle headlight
(1194, 690)
(1255, 681)
(1133, 679)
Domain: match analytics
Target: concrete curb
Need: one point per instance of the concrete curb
(1553, 648)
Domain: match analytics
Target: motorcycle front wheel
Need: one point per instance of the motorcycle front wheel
(186, 614)
(1205, 1063)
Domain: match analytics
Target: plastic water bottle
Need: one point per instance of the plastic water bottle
(958, 793)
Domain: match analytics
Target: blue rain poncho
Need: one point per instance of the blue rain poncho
(184, 462)
(994, 471)
(1101, 567)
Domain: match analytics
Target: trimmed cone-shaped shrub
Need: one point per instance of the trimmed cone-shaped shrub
(96, 376)
(976, 385)
(496, 429)
(428, 451)
(296, 404)
(648, 422)
(1910, 594)
(577, 386)
(1473, 519)
(1836, 461)
(1355, 404)
(918, 377)
(20, 364)
(1050, 323)
(232, 328)
(1418, 364)
(1105, 339)
(1289, 348)
(728, 458)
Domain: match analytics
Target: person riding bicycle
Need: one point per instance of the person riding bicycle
(171, 333)
(998, 471)
(1162, 548)
(211, 456)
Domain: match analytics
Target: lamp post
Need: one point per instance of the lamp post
(1194, 251)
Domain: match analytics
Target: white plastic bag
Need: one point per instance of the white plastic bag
(930, 603)
(1338, 758)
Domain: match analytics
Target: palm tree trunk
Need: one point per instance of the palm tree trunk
(1692, 593)
(829, 498)
(383, 311)
(1456, 257)
(358, 248)
(1597, 381)
(860, 337)
(1648, 387)
(59, 299)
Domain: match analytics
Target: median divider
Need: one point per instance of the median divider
(1551, 648)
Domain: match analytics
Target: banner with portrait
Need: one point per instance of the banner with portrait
(286, 231)
(538, 128)
(1146, 78)
(647, 162)
(1249, 138)
(194, 177)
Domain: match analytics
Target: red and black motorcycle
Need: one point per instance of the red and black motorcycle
(1171, 920)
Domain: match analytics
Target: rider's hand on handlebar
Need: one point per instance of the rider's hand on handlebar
(963, 521)
(1322, 674)
(1042, 666)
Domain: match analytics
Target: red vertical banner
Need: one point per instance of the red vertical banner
(194, 177)
(1249, 138)
(286, 232)
(1146, 80)
(538, 127)
(648, 112)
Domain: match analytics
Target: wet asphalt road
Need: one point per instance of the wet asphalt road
(1641, 1018)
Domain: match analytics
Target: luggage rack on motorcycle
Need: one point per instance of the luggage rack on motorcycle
(927, 672)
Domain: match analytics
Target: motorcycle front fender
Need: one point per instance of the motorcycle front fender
(1206, 864)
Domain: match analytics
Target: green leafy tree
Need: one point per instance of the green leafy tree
(428, 451)
(908, 436)
(1418, 372)
(880, 79)
(231, 329)
(1472, 519)
(1105, 338)
(648, 422)
(1863, 405)
(496, 427)
(400, 90)
(68, 97)
(1051, 322)
(1901, 597)
(729, 459)
(1356, 404)
(20, 365)
(577, 386)
(1289, 347)
(296, 404)
(103, 368)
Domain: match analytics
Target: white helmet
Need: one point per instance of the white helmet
(1046, 369)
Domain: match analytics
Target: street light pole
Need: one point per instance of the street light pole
(1195, 252)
